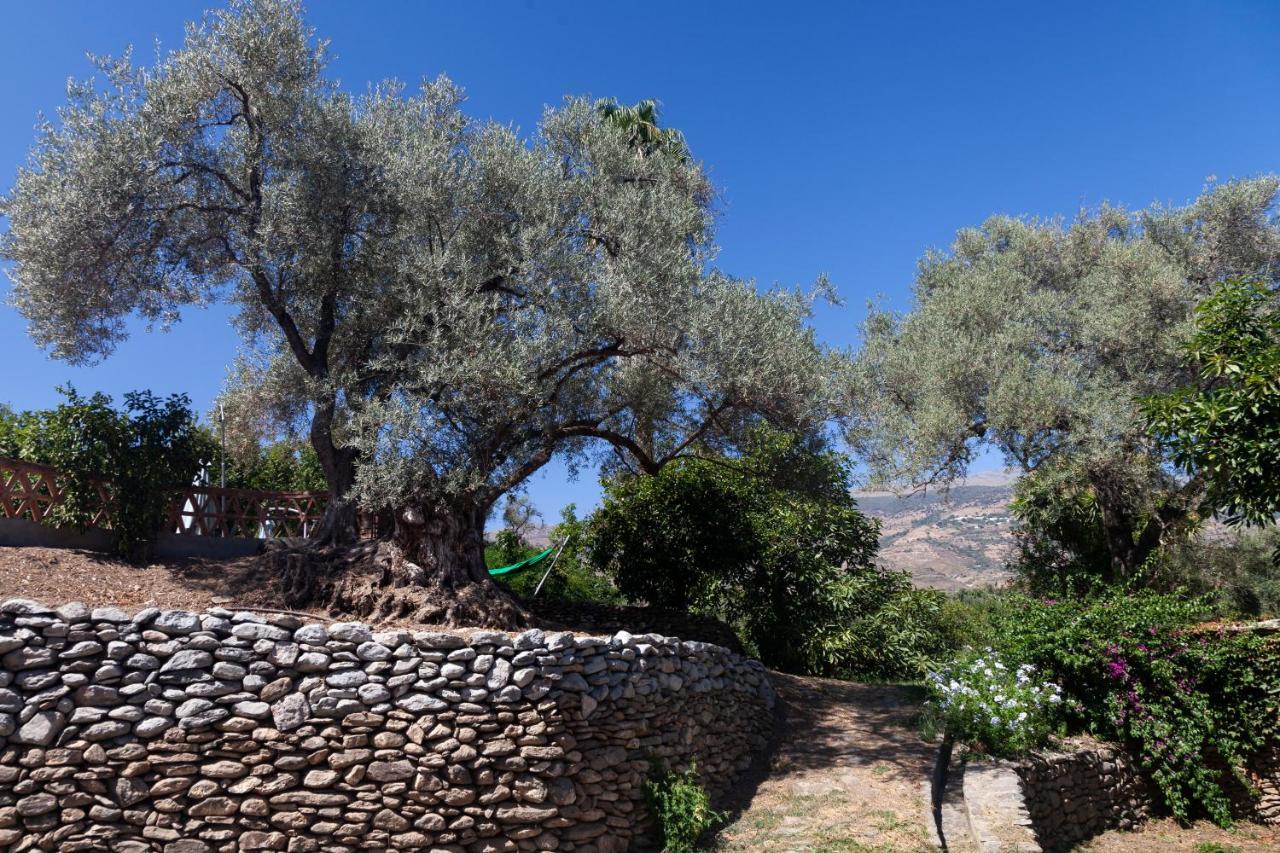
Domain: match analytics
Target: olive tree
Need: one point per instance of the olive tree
(448, 304)
(230, 169)
(1040, 338)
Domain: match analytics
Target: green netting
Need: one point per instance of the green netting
(523, 564)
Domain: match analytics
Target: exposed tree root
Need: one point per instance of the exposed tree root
(374, 581)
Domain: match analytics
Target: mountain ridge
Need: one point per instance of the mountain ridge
(953, 538)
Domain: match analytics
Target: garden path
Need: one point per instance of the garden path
(846, 775)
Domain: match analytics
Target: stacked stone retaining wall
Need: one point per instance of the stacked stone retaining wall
(189, 732)
(1075, 796)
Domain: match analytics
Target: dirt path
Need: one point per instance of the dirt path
(1201, 837)
(846, 775)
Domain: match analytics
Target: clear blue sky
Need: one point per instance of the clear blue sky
(845, 137)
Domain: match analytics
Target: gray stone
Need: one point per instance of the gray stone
(188, 659)
(10, 701)
(350, 632)
(97, 694)
(508, 695)
(574, 683)
(438, 640)
(284, 654)
(73, 612)
(23, 607)
(258, 631)
(82, 649)
(390, 771)
(106, 729)
(41, 729)
(530, 639)
(311, 662)
(315, 635)
(28, 658)
(36, 804)
(176, 623)
(254, 710)
(143, 662)
(372, 694)
(152, 726)
(347, 679)
(499, 674)
(372, 651)
(229, 671)
(420, 703)
(291, 712)
(192, 707)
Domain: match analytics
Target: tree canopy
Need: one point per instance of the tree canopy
(1040, 338)
(448, 303)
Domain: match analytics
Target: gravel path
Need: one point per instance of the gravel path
(846, 776)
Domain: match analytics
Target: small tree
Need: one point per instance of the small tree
(773, 543)
(1225, 428)
(1039, 340)
(140, 455)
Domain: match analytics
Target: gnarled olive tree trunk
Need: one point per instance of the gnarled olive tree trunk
(340, 523)
(430, 570)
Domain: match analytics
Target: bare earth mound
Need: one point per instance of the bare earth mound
(59, 575)
(56, 576)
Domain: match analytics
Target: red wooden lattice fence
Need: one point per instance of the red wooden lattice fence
(214, 511)
(29, 491)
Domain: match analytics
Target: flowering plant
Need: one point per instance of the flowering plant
(1195, 704)
(1005, 709)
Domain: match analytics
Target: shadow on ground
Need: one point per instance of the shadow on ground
(845, 775)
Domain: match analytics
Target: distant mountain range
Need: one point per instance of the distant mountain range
(954, 539)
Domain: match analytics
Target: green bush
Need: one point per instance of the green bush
(681, 807)
(998, 708)
(1194, 705)
(774, 544)
(141, 453)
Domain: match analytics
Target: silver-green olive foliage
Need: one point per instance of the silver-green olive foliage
(449, 302)
(1039, 339)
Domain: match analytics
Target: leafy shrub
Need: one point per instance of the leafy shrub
(1004, 709)
(681, 807)
(968, 617)
(1195, 705)
(1226, 427)
(141, 453)
(774, 544)
(1061, 548)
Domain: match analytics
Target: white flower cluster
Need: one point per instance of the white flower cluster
(981, 699)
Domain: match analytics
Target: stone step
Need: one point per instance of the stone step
(995, 809)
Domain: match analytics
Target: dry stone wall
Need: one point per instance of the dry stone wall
(1075, 796)
(188, 732)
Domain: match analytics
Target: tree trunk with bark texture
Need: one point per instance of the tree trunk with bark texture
(431, 571)
(1132, 539)
(340, 524)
